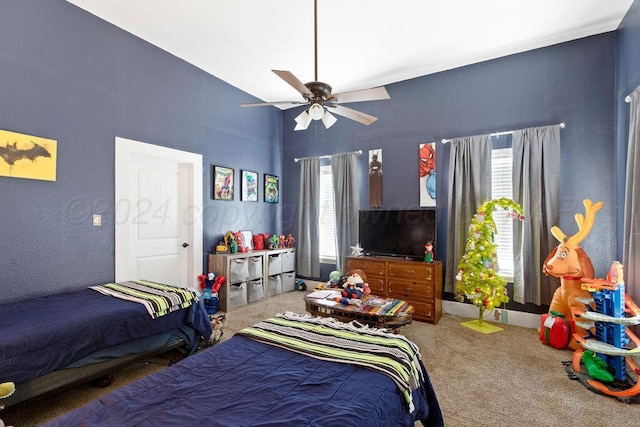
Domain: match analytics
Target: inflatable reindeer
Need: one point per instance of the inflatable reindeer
(569, 262)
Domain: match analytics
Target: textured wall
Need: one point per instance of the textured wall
(69, 76)
(571, 82)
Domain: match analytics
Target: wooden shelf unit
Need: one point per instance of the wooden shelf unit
(419, 283)
(253, 276)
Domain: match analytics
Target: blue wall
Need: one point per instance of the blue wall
(69, 76)
(628, 78)
(572, 82)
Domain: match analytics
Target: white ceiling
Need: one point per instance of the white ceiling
(361, 43)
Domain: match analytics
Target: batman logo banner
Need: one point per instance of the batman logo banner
(27, 156)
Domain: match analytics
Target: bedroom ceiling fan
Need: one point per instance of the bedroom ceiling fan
(319, 97)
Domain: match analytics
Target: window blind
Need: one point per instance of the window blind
(327, 218)
(502, 186)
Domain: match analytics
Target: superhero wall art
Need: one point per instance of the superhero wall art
(427, 168)
(27, 156)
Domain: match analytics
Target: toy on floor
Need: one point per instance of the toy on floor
(6, 390)
(603, 361)
(212, 285)
(569, 262)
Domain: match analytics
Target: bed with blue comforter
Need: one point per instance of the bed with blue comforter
(285, 371)
(69, 330)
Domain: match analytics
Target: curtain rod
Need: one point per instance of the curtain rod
(506, 132)
(296, 159)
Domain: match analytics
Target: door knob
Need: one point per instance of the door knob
(185, 244)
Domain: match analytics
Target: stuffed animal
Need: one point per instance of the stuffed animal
(569, 262)
(217, 324)
(354, 285)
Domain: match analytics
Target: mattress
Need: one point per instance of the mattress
(44, 334)
(247, 382)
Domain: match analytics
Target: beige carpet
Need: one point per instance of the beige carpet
(507, 378)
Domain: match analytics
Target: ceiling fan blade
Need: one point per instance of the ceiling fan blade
(282, 103)
(294, 82)
(373, 94)
(352, 114)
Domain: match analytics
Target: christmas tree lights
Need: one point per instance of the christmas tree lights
(477, 279)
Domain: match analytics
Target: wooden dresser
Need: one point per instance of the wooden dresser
(419, 283)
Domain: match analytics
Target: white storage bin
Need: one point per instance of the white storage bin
(275, 264)
(255, 267)
(255, 290)
(289, 261)
(274, 287)
(237, 295)
(238, 270)
(288, 282)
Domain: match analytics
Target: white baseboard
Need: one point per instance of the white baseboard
(517, 318)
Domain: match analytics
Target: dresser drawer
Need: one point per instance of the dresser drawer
(371, 268)
(424, 311)
(409, 290)
(422, 272)
(377, 286)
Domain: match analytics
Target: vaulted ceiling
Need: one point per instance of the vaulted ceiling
(361, 43)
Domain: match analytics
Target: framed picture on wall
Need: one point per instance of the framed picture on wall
(271, 188)
(222, 183)
(248, 186)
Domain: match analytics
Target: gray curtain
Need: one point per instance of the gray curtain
(469, 187)
(308, 247)
(346, 202)
(631, 244)
(536, 183)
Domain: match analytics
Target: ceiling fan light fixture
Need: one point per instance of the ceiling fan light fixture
(302, 121)
(328, 119)
(316, 111)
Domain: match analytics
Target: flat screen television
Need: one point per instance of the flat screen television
(400, 233)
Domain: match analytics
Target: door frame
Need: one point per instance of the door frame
(124, 148)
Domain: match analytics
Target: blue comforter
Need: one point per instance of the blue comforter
(41, 335)
(242, 382)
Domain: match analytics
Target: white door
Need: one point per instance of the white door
(158, 214)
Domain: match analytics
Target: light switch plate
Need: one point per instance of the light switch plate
(97, 220)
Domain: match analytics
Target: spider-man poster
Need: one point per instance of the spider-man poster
(427, 166)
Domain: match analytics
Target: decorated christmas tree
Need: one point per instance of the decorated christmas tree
(477, 279)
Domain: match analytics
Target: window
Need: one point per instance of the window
(327, 218)
(502, 186)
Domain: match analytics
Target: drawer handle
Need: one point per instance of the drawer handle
(409, 271)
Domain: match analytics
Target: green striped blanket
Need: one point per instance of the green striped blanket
(159, 299)
(350, 343)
